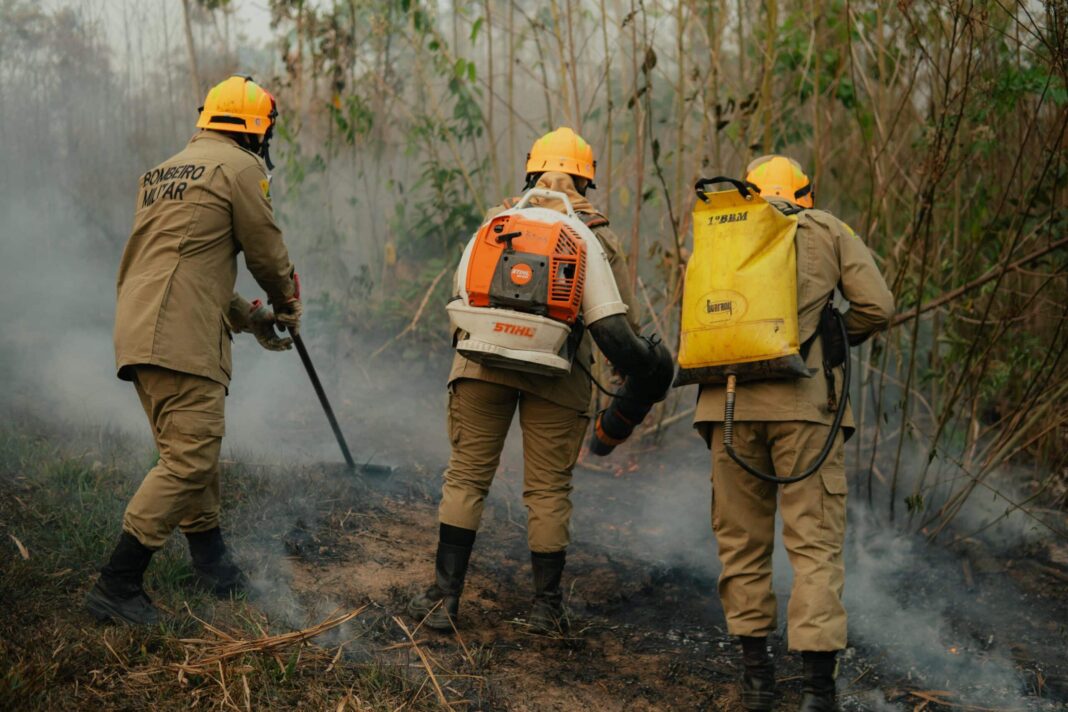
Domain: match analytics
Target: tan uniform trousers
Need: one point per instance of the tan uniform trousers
(814, 517)
(186, 413)
(480, 414)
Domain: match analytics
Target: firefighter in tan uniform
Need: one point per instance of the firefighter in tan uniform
(780, 427)
(176, 311)
(553, 411)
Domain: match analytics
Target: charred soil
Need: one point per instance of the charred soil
(647, 629)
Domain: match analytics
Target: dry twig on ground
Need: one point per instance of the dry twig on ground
(226, 647)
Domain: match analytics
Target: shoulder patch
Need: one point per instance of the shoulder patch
(265, 186)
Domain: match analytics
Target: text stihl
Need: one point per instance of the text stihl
(514, 329)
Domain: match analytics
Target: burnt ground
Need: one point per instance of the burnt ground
(979, 626)
(648, 631)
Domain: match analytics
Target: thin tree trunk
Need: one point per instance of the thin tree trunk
(743, 87)
(194, 72)
(572, 63)
(490, 97)
(171, 113)
(606, 181)
(681, 149)
(639, 152)
(772, 17)
(712, 98)
(817, 69)
(563, 90)
(512, 149)
(298, 65)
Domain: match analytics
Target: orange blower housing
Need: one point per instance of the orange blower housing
(529, 266)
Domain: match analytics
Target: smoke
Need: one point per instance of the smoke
(873, 701)
(993, 509)
(67, 197)
(60, 250)
(905, 601)
(915, 615)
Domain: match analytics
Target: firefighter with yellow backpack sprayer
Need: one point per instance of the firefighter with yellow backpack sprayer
(541, 272)
(760, 333)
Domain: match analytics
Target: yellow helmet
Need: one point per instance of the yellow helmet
(238, 104)
(562, 150)
(782, 177)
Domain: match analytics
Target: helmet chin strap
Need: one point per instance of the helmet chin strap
(265, 147)
(260, 145)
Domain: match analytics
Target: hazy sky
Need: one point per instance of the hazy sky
(138, 28)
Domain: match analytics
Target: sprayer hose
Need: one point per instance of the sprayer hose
(728, 414)
(728, 426)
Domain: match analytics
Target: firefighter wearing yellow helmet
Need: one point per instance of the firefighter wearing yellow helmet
(562, 151)
(176, 310)
(554, 412)
(783, 178)
(780, 427)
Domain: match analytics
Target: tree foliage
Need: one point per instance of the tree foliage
(936, 129)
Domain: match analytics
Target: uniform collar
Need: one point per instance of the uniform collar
(209, 135)
(215, 136)
(563, 183)
(783, 203)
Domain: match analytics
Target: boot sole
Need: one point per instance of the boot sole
(225, 593)
(104, 612)
(758, 704)
(541, 629)
(550, 625)
(435, 619)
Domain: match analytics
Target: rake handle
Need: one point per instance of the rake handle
(298, 341)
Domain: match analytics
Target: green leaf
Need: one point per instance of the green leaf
(476, 27)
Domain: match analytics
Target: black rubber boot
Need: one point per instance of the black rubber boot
(818, 692)
(438, 606)
(215, 571)
(758, 677)
(118, 595)
(547, 615)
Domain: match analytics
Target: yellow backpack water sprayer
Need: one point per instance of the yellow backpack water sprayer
(739, 307)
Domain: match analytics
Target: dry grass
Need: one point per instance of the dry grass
(59, 512)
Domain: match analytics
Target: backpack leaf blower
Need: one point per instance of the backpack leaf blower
(530, 281)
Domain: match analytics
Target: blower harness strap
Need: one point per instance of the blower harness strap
(833, 335)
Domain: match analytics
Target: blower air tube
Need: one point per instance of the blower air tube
(648, 370)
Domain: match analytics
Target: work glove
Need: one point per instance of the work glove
(261, 324)
(288, 313)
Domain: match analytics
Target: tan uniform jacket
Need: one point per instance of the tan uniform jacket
(176, 300)
(829, 253)
(572, 390)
